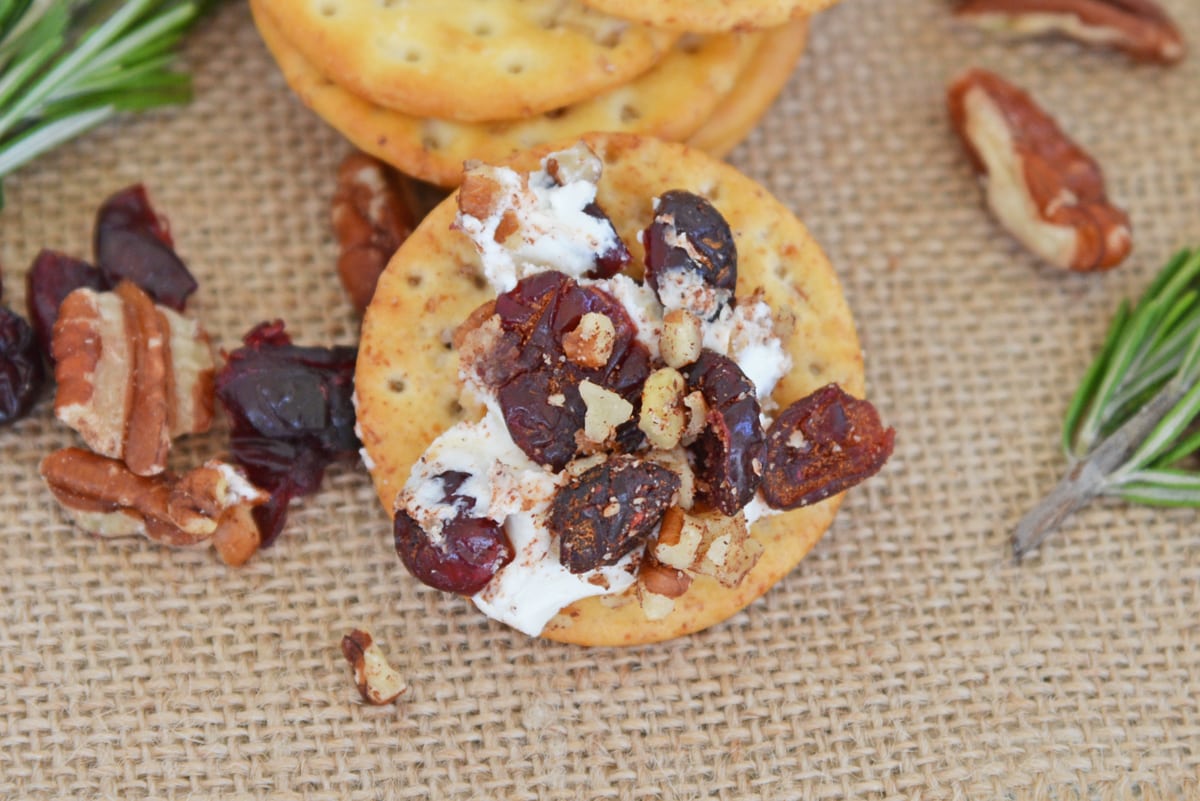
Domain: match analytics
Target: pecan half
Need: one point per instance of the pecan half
(131, 375)
(106, 498)
(1040, 184)
(377, 681)
(1138, 27)
(373, 212)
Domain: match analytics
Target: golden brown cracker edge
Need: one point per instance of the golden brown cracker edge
(407, 385)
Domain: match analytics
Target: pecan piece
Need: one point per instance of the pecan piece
(1138, 27)
(1040, 184)
(373, 212)
(377, 681)
(131, 375)
(106, 498)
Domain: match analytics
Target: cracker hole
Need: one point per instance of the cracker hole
(691, 43)
(414, 280)
(412, 55)
(557, 114)
(430, 142)
(479, 281)
(515, 68)
(455, 408)
(629, 113)
(397, 385)
(328, 9)
(483, 29)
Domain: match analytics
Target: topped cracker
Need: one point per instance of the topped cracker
(408, 392)
(711, 16)
(469, 60)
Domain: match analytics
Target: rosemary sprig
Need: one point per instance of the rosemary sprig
(66, 66)
(1130, 430)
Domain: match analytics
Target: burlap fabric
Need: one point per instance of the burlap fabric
(906, 658)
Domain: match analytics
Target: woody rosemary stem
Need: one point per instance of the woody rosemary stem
(1090, 477)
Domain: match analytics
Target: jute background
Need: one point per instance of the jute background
(906, 658)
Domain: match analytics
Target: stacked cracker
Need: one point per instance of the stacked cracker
(428, 84)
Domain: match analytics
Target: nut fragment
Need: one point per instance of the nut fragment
(590, 343)
(682, 338)
(679, 539)
(1138, 27)
(372, 216)
(131, 375)
(728, 552)
(106, 498)
(658, 586)
(378, 682)
(663, 417)
(605, 411)
(1042, 186)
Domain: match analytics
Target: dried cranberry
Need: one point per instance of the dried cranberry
(606, 512)
(614, 259)
(471, 551)
(731, 449)
(712, 254)
(21, 370)
(538, 387)
(133, 242)
(821, 445)
(50, 279)
(291, 413)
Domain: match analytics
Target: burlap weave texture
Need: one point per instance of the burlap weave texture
(906, 658)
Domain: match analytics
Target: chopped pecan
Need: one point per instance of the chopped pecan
(131, 375)
(106, 498)
(373, 213)
(658, 586)
(1138, 27)
(1042, 186)
(377, 681)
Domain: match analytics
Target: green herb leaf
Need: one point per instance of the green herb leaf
(67, 66)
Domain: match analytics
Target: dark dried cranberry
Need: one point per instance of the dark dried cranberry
(133, 242)
(821, 445)
(290, 411)
(614, 259)
(730, 451)
(607, 511)
(537, 385)
(472, 550)
(50, 279)
(712, 253)
(21, 370)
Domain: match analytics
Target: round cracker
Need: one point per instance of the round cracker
(711, 16)
(406, 379)
(469, 60)
(757, 87)
(671, 101)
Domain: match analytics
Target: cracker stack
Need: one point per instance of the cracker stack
(428, 84)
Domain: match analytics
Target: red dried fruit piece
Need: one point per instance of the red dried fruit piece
(821, 445)
(609, 510)
(689, 234)
(616, 258)
(21, 371)
(731, 449)
(539, 388)
(50, 279)
(291, 415)
(134, 243)
(471, 551)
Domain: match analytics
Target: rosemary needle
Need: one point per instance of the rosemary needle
(66, 67)
(1130, 428)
